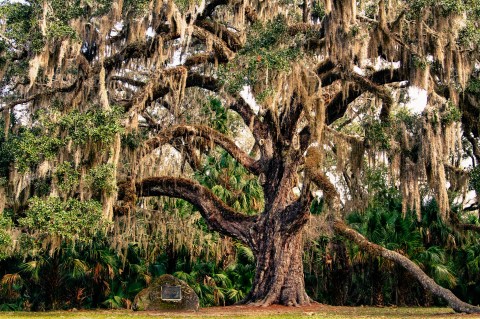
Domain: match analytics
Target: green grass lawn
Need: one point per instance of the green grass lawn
(321, 312)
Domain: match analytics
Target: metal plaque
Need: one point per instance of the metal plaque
(172, 293)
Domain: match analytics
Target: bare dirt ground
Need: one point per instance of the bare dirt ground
(324, 311)
(315, 311)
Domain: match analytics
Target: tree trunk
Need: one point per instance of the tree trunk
(279, 269)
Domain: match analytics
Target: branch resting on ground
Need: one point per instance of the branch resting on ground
(341, 228)
(427, 282)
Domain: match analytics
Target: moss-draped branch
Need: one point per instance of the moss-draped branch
(209, 134)
(218, 215)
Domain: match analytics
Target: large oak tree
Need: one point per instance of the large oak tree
(314, 82)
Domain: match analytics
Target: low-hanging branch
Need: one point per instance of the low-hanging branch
(218, 215)
(209, 134)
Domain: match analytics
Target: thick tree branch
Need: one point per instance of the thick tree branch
(470, 107)
(315, 174)
(202, 81)
(200, 59)
(257, 127)
(329, 76)
(324, 66)
(329, 73)
(46, 93)
(314, 42)
(136, 50)
(217, 214)
(297, 214)
(224, 53)
(190, 154)
(231, 39)
(208, 134)
(132, 50)
(187, 149)
(314, 34)
(211, 6)
(262, 131)
(127, 80)
(473, 142)
(337, 106)
(304, 28)
(471, 208)
(472, 227)
(290, 118)
(160, 86)
(378, 90)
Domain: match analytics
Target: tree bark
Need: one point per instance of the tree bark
(279, 269)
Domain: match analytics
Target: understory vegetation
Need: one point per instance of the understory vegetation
(93, 275)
